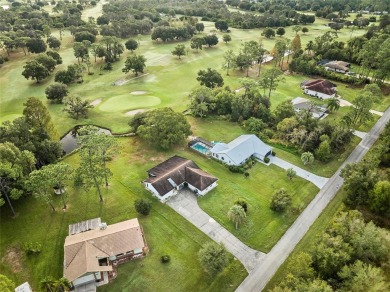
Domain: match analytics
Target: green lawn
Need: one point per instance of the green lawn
(310, 237)
(263, 227)
(166, 232)
(168, 80)
(319, 168)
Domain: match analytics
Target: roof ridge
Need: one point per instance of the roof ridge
(81, 245)
(201, 170)
(176, 168)
(93, 244)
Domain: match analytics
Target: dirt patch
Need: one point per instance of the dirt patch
(133, 112)
(138, 92)
(96, 102)
(123, 81)
(13, 258)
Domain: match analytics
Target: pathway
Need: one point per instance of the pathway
(267, 267)
(319, 181)
(359, 134)
(344, 102)
(185, 203)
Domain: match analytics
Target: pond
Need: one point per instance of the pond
(69, 141)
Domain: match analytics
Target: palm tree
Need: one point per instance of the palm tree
(291, 173)
(62, 284)
(307, 158)
(237, 214)
(333, 104)
(48, 284)
(310, 46)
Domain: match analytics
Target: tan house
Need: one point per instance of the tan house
(93, 250)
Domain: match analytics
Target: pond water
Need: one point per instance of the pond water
(69, 141)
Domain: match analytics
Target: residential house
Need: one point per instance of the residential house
(337, 66)
(91, 255)
(322, 89)
(170, 176)
(317, 111)
(240, 150)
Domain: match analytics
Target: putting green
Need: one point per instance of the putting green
(128, 101)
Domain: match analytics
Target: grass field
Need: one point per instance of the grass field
(168, 80)
(166, 233)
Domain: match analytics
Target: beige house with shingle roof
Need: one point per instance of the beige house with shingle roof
(91, 256)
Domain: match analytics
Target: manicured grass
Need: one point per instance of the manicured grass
(128, 102)
(310, 238)
(215, 130)
(263, 227)
(320, 168)
(168, 82)
(166, 232)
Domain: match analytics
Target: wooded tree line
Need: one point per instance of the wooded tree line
(326, 6)
(350, 256)
(251, 108)
(367, 182)
(371, 52)
(29, 153)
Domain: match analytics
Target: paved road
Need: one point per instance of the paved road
(266, 268)
(186, 205)
(319, 181)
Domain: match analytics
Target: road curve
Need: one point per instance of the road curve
(267, 267)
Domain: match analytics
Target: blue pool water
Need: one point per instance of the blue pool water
(200, 147)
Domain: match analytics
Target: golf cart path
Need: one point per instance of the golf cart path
(319, 181)
(185, 203)
(267, 267)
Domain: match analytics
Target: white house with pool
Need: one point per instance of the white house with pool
(240, 150)
(169, 177)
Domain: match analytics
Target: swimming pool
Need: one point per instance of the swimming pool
(200, 147)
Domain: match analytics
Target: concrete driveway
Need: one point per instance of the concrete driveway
(319, 181)
(185, 203)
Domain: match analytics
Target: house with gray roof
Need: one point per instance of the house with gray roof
(317, 111)
(172, 175)
(240, 150)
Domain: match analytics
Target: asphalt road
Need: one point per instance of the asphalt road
(267, 267)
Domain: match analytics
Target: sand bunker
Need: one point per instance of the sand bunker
(96, 102)
(133, 112)
(138, 92)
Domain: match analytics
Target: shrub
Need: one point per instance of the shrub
(165, 259)
(107, 66)
(273, 153)
(32, 248)
(213, 258)
(143, 206)
(266, 159)
(242, 203)
(280, 201)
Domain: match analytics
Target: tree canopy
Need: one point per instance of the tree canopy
(162, 127)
